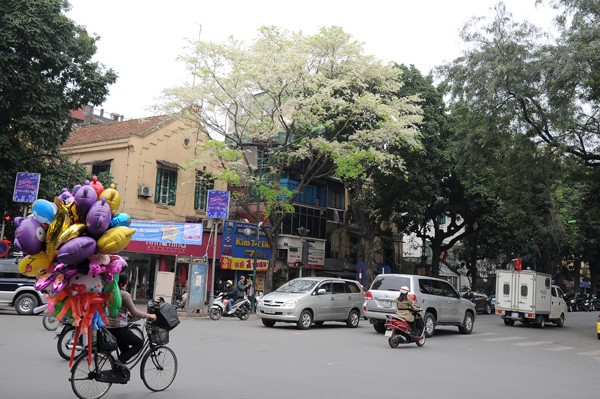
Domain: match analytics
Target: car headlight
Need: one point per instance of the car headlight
(291, 303)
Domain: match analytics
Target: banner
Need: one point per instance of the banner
(167, 232)
(239, 245)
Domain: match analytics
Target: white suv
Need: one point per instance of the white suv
(439, 301)
(17, 289)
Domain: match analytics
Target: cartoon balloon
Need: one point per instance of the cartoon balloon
(85, 197)
(30, 235)
(34, 265)
(76, 250)
(113, 199)
(43, 211)
(115, 240)
(92, 284)
(120, 219)
(96, 185)
(98, 218)
(73, 231)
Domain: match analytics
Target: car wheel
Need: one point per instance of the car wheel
(379, 327)
(467, 326)
(305, 320)
(561, 320)
(353, 319)
(25, 303)
(429, 321)
(542, 322)
(268, 323)
(488, 309)
(509, 322)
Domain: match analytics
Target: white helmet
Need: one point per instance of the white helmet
(404, 289)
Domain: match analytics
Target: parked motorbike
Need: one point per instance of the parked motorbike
(241, 308)
(179, 301)
(399, 331)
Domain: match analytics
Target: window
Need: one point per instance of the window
(335, 196)
(100, 167)
(166, 186)
(339, 288)
(352, 287)
(204, 183)
(524, 291)
(506, 289)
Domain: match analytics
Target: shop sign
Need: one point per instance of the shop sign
(26, 187)
(239, 245)
(167, 232)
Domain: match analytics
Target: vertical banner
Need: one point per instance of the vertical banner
(26, 187)
(197, 289)
(217, 204)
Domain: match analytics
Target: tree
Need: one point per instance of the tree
(294, 105)
(46, 70)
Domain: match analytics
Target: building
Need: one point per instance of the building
(148, 161)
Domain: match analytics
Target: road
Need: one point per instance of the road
(242, 359)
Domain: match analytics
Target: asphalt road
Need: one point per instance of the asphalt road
(230, 358)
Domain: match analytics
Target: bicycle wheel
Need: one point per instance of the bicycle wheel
(159, 368)
(84, 377)
(50, 323)
(65, 343)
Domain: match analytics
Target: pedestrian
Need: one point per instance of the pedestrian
(469, 295)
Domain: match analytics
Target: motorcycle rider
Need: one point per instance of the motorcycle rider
(238, 292)
(230, 292)
(406, 306)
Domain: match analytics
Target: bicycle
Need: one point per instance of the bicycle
(66, 335)
(158, 366)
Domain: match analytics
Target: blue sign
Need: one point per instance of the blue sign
(239, 247)
(167, 232)
(197, 285)
(26, 187)
(217, 204)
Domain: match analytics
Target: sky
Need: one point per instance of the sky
(141, 39)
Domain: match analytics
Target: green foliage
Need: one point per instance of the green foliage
(46, 70)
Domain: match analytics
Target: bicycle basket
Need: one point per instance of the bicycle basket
(158, 335)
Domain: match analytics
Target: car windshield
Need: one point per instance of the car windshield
(390, 283)
(298, 286)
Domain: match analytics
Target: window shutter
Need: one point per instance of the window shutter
(157, 186)
(172, 188)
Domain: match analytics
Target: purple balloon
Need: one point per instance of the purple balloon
(85, 197)
(30, 235)
(98, 218)
(76, 250)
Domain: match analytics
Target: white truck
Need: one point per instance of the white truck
(529, 297)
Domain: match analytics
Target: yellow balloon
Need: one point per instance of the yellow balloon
(113, 199)
(72, 231)
(61, 221)
(34, 265)
(114, 240)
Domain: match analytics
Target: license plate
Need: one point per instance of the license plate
(515, 315)
(388, 333)
(269, 311)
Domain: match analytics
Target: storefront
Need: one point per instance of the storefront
(161, 256)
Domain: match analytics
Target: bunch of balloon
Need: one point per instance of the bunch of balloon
(71, 245)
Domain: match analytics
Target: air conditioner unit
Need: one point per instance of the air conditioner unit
(144, 191)
(208, 224)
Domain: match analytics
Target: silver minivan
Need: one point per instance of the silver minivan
(308, 300)
(440, 302)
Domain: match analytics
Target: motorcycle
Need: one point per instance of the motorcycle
(179, 301)
(240, 309)
(399, 331)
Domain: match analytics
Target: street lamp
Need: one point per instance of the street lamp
(256, 244)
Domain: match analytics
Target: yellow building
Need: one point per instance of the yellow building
(148, 160)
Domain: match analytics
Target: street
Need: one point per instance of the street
(243, 359)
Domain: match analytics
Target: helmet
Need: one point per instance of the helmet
(229, 282)
(404, 289)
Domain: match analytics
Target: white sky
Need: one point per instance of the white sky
(141, 39)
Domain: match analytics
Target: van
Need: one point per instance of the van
(441, 304)
(308, 300)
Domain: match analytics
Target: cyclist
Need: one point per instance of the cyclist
(129, 343)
